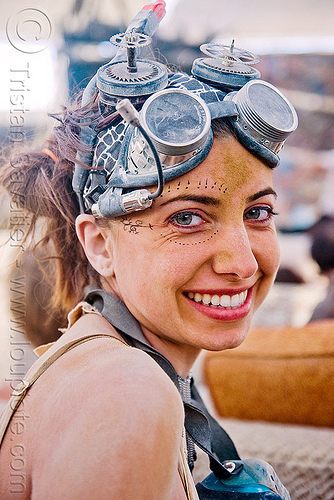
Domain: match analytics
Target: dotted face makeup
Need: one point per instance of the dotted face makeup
(201, 184)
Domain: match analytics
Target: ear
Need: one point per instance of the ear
(97, 244)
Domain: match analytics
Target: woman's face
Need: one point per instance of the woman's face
(194, 268)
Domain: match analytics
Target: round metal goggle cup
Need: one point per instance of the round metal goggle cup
(177, 121)
(264, 113)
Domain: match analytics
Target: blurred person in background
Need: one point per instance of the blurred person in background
(322, 251)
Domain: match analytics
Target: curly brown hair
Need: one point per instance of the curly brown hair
(38, 180)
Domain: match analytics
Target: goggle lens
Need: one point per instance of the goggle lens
(177, 121)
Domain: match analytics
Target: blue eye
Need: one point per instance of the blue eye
(259, 214)
(187, 219)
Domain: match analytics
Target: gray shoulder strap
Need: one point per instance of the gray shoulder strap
(34, 373)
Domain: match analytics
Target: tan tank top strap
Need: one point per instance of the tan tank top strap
(184, 471)
(35, 372)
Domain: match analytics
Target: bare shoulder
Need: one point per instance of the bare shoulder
(116, 421)
(105, 368)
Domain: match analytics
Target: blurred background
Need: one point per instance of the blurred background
(50, 49)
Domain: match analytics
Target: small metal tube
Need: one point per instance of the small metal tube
(136, 200)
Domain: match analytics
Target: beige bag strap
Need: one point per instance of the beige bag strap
(35, 372)
(184, 471)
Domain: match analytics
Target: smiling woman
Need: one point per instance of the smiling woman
(197, 243)
(162, 244)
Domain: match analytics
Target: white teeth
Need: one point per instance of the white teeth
(206, 299)
(215, 300)
(227, 301)
(235, 300)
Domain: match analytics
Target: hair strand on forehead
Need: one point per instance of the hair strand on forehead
(222, 128)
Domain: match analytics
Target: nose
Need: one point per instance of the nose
(234, 254)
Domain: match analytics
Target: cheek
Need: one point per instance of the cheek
(129, 260)
(143, 261)
(140, 264)
(268, 254)
(179, 265)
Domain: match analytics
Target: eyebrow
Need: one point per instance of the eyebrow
(259, 194)
(204, 200)
(210, 200)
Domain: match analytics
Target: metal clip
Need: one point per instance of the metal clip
(20, 388)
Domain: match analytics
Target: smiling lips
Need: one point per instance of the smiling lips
(220, 301)
(222, 307)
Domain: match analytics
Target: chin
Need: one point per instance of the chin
(229, 339)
